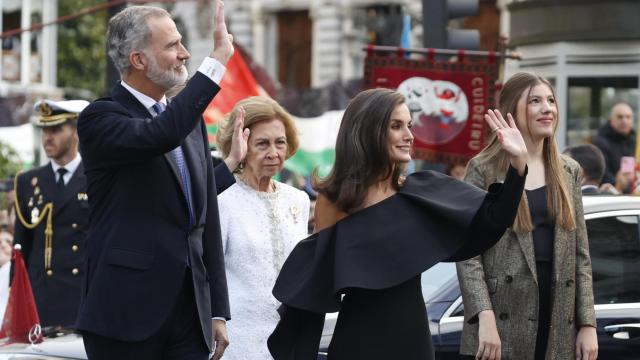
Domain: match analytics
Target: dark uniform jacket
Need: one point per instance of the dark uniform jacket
(57, 279)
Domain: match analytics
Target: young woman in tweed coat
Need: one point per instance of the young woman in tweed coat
(531, 296)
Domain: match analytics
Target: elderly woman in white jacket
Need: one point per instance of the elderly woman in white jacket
(261, 220)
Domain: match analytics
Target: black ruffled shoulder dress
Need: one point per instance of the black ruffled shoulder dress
(374, 257)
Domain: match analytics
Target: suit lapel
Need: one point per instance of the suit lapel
(561, 242)
(174, 169)
(47, 183)
(71, 190)
(192, 149)
(526, 244)
(124, 97)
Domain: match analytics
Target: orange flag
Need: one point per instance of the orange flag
(238, 83)
(21, 322)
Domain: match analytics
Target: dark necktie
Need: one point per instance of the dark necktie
(60, 183)
(178, 156)
(185, 177)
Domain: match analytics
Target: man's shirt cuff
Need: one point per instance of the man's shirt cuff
(213, 69)
(219, 318)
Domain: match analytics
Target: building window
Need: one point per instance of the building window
(384, 25)
(294, 49)
(615, 259)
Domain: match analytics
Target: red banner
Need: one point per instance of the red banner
(21, 323)
(447, 100)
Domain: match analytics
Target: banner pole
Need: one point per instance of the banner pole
(472, 53)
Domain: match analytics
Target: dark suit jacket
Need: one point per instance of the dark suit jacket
(139, 224)
(57, 287)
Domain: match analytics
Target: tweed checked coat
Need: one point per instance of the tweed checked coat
(504, 279)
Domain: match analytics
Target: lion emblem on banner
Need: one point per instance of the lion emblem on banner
(439, 109)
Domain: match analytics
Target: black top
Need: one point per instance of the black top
(543, 226)
(433, 218)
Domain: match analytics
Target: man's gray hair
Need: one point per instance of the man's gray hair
(128, 31)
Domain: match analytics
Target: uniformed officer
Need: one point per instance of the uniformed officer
(52, 212)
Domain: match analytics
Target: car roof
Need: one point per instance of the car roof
(68, 346)
(600, 203)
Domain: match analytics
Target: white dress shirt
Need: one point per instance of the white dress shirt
(210, 67)
(71, 168)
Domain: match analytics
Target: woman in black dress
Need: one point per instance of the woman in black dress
(377, 231)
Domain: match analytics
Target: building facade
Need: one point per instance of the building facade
(28, 70)
(311, 43)
(593, 59)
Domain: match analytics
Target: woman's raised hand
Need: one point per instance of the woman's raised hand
(239, 141)
(510, 138)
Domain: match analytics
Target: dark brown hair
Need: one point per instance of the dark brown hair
(362, 153)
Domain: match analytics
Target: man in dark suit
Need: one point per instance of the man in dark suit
(53, 198)
(156, 285)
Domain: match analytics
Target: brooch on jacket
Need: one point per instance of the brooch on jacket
(294, 213)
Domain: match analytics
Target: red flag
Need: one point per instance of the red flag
(238, 83)
(21, 322)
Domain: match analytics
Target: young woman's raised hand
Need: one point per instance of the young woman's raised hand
(509, 137)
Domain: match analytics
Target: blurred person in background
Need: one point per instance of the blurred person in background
(592, 165)
(54, 198)
(8, 214)
(6, 250)
(617, 140)
(261, 221)
(531, 295)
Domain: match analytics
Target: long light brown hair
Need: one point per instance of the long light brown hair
(559, 204)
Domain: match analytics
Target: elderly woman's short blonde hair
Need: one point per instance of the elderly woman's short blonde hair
(257, 109)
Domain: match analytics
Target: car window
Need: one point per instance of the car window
(614, 247)
(459, 311)
(435, 277)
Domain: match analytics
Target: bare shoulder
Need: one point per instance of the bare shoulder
(326, 213)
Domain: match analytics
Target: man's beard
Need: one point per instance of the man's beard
(165, 78)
